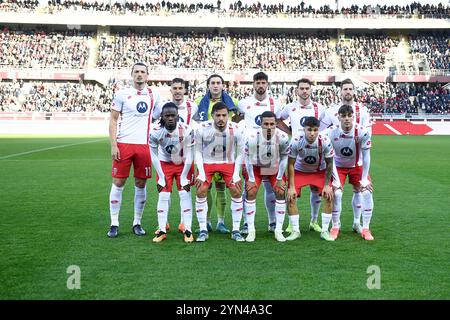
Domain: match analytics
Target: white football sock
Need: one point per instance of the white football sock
(201, 210)
(163, 210)
(326, 217)
(186, 209)
(280, 212)
(356, 204)
(115, 201)
(367, 206)
(250, 211)
(294, 220)
(140, 198)
(315, 201)
(337, 208)
(236, 212)
(269, 198)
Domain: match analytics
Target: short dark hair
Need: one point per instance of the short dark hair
(177, 80)
(214, 76)
(168, 105)
(268, 114)
(304, 80)
(218, 106)
(139, 64)
(345, 108)
(311, 122)
(260, 76)
(347, 81)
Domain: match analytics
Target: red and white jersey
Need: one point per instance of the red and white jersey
(266, 153)
(252, 109)
(311, 157)
(136, 109)
(171, 145)
(348, 145)
(218, 147)
(361, 116)
(296, 112)
(186, 110)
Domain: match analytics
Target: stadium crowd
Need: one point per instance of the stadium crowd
(235, 9)
(387, 98)
(282, 52)
(364, 52)
(186, 50)
(27, 49)
(436, 48)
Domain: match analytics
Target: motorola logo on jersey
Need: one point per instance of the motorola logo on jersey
(219, 149)
(310, 160)
(142, 107)
(171, 149)
(258, 120)
(346, 152)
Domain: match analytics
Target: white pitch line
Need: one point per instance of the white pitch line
(392, 129)
(50, 148)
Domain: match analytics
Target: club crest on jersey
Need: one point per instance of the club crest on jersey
(258, 120)
(142, 107)
(310, 160)
(346, 152)
(180, 119)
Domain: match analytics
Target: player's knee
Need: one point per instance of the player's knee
(140, 183)
(235, 192)
(251, 194)
(119, 183)
(202, 192)
(279, 194)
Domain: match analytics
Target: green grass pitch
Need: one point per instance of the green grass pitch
(54, 214)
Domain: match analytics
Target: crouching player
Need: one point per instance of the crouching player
(352, 144)
(266, 155)
(171, 144)
(218, 141)
(310, 164)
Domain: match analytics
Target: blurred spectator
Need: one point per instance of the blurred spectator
(436, 49)
(292, 52)
(182, 50)
(30, 49)
(365, 52)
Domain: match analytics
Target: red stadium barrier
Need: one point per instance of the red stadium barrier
(401, 127)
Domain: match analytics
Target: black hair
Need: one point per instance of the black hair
(311, 122)
(214, 76)
(347, 81)
(166, 106)
(268, 114)
(177, 80)
(345, 108)
(304, 80)
(260, 76)
(139, 64)
(218, 106)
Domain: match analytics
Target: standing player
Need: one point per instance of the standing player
(352, 157)
(362, 118)
(296, 112)
(217, 144)
(214, 94)
(171, 145)
(186, 111)
(310, 164)
(129, 145)
(266, 155)
(251, 108)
